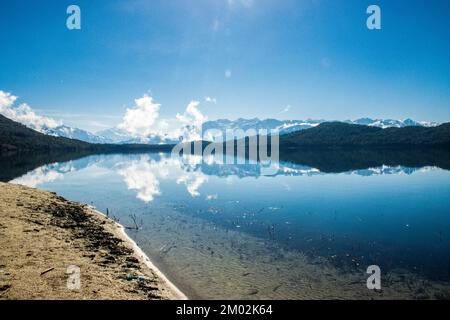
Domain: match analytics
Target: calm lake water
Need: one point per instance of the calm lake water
(229, 231)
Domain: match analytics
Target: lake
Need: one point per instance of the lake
(309, 230)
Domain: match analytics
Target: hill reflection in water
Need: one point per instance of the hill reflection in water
(223, 230)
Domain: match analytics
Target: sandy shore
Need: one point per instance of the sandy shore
(45, 238)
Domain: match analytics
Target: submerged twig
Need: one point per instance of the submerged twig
(137, 225)
(46, 271)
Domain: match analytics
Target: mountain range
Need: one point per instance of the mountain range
(16, 137)
(289, 126)
(120, 136)
(75, 133)
(362, 132)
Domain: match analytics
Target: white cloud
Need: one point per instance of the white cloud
(143, 121)
(192, 120)
(228, 73)
(24, 114)
(139, 120)
(211, 100)
(286, 109)
(6, 99)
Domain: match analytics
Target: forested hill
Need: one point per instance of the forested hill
(340, 134)
(15, 137)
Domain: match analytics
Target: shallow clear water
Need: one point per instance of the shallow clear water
(226, 231)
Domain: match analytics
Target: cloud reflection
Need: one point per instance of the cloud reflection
(193, 181)
(145, 173)
(139, 176)
(44, 174)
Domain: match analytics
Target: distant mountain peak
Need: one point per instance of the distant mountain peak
(120, 136)
(289, 126)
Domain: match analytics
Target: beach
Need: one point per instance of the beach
(55, 249)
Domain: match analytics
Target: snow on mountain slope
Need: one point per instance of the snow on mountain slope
(288, 126)
(75, 133)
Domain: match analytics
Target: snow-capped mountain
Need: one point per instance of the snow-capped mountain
(292, 169)
(153, 139)
(24, 114)
(389, 123)
(288, 126)
(75, 133)
(117, 135)
(284, 126)
(120, 136)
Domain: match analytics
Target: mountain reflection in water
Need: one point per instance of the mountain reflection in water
(308, 230)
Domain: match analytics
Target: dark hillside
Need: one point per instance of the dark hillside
(338, 134)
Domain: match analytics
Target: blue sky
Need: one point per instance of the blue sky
(316, 56)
